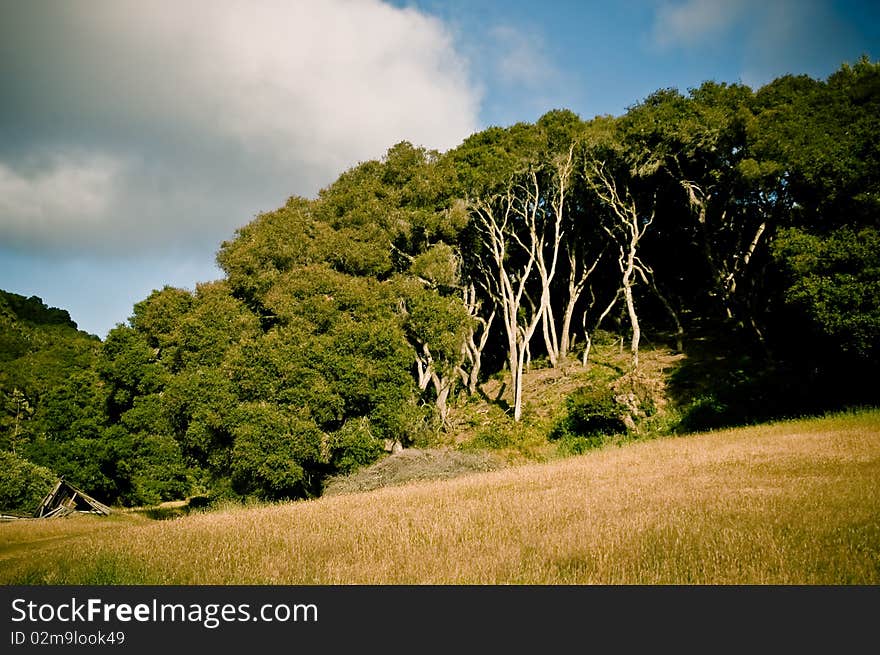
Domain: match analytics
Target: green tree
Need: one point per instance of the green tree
(275, 452)
(22, 484)
(834, 282)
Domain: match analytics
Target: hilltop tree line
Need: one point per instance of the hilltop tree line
(349, 324)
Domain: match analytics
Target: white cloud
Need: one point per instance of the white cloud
(218, 110)
(520, 57)
(523, 74)
(695, 22)
(65, 192)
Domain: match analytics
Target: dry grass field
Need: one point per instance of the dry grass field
(787, 503)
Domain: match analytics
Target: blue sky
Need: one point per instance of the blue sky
(136, 136)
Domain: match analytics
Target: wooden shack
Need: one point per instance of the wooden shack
(65, 499)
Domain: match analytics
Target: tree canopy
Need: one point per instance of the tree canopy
(347, 325)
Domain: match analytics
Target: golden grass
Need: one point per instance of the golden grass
(789, 503)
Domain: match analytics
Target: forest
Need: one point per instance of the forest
(351, 324)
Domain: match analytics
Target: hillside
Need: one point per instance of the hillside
(50, 400)
(794, 502)
(715, 252)
(480, 435)
(705, 386)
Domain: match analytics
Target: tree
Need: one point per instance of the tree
(835, 283)
(20, 410)
(513, 234)
(22, 484)
(549, 246)
(270, 245)
(275, 453)
(477, 332)
(697, 143)
(437, 326)
(574, 241)
(626, 227)
(346, 323)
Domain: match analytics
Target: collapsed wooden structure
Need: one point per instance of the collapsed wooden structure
(65, 499)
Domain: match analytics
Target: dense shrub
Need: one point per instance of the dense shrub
(590, 413)
(354, 445)
(704, 413)
(22, 484)
(749, 395)
(572, 445)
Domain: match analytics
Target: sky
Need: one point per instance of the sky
(135, 137)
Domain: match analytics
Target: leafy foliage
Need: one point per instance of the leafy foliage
(353, 320)
(590, 413)
(354, 445)
(22, 484)
(835, 283)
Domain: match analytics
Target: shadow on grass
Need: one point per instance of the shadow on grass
(497, 401)
(173, 511)
(725, 381)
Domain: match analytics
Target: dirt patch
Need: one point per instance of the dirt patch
(413, 464)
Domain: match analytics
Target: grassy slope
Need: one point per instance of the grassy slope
(794, 502)
(481, 436)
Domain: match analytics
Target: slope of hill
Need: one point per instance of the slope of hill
(793, 502)
(480, 434)
(48, 387)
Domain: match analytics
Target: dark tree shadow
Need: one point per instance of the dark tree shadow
(726, 380)
(498, 401)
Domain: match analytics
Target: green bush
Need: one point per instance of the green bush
(572, 445)
(354, 445)
(494, 437)
(706, 412)
(275, 453)
(590, 413)
(526, 438)
(22, 484)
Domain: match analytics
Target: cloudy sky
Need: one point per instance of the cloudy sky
(136, 136)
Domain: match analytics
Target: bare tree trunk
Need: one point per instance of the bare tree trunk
(508, 287)
(546, 271)
(443, 386)
(424, 367)
(742, 263)
(15, 430)
(474, 351)
(473, 347)
(751, 309)
(699, 199)
(728, 271)
(627, 267)
(562, 172)
(566, 340)
(443, 382)
(576, 284)
(551, 341)
(586, 355)
(626, 229)
(647, 275)
(518, 355)
(602, 316)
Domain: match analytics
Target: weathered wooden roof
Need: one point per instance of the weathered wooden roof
(65, 499)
